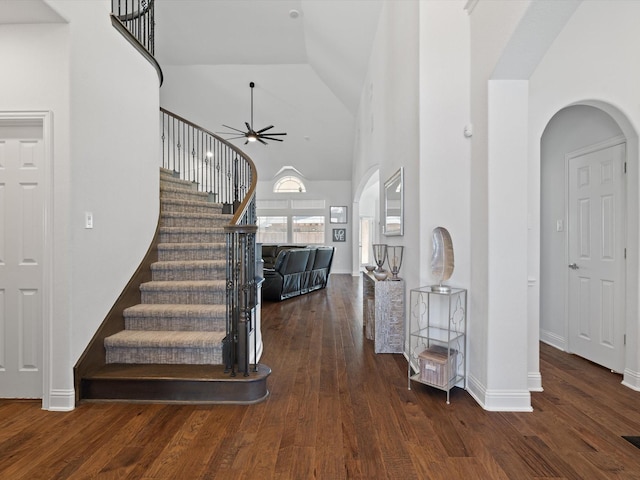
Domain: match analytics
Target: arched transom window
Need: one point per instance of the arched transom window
(289, 184)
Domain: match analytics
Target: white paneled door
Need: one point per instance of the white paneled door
(21, 253)
(596, 211)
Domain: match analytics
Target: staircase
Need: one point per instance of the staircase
(171, 346)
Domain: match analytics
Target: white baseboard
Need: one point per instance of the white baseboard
(553, 339)
(631, 379)
(61, 401)
(499, 400)
(534, 380)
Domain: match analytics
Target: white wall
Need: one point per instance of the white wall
(491, 25)
(387, 125)
(115, 158)
(104, 100)
(444, 149)
(334, 193)
(27, 52)
(570, 129)
(591, 62)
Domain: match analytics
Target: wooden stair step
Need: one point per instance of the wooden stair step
(206, 384)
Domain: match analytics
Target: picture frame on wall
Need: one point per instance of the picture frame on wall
(338, 214)
(339, 234)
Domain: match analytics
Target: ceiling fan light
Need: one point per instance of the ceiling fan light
(251, 137)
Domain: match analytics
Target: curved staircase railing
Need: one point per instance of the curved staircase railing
(230, 177)
(138, 16)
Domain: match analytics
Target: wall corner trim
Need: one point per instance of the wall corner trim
(61, 400)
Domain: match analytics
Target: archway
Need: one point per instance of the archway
(366, 216)
(571, 129)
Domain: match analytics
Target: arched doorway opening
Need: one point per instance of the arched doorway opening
(583, 149)
(366, 218)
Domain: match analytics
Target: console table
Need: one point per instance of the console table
(383, 313)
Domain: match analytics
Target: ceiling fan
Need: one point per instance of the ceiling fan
(252, 135)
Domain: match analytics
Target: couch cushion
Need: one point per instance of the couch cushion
(295, 261)
(324, 255)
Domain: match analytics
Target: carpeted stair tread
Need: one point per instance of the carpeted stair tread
(192, 251)
(183, 315)
(186, 317)
(169, 285)
(179, 270)
(175, 310)
(165, 347)
(195, 220)
(192, 246)
(176, 204)
(168, 191)
(191, 234)
(165, 339)
(175, 182)
(222, 217)
(187, 264)
(192, 229)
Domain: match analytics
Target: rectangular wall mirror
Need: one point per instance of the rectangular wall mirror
(394, 204)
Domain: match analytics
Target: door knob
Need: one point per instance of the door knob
(573, 266)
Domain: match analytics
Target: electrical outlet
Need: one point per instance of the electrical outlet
(88, 220)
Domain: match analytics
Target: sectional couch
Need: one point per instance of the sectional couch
(291, 270)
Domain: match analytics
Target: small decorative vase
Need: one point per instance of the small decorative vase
(382, 275)
(442, 259)
(379, 255)
(369, 268)
(394, 258)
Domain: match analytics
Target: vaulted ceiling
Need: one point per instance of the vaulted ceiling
(308, 59)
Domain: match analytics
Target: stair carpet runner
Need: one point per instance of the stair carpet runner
(182, 317)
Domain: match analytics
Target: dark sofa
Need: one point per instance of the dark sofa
(291, 270)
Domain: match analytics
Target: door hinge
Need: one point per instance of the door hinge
(625, 253)
(625, 167)
(624, 339)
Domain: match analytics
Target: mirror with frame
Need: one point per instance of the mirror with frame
(394, 204)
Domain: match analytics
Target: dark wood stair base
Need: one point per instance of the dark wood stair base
(180, 384)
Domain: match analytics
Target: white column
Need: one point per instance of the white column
(507, 329)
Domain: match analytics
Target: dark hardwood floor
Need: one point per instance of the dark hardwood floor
(337, 411)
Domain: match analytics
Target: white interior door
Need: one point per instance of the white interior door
(21, 253)
(596, 255)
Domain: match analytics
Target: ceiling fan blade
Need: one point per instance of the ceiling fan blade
(269, 138)
(231, 128)
(273, 134)
(233, 138)
(248, 126)
(265, 129)
(262, 141)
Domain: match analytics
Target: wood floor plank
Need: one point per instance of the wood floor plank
(337, 410)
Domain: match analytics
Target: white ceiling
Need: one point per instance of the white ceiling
(27, 11)
(308, 71)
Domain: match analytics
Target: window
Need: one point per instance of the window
(289, 184)
(272, 230)
(308, 229)
(366, 240)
